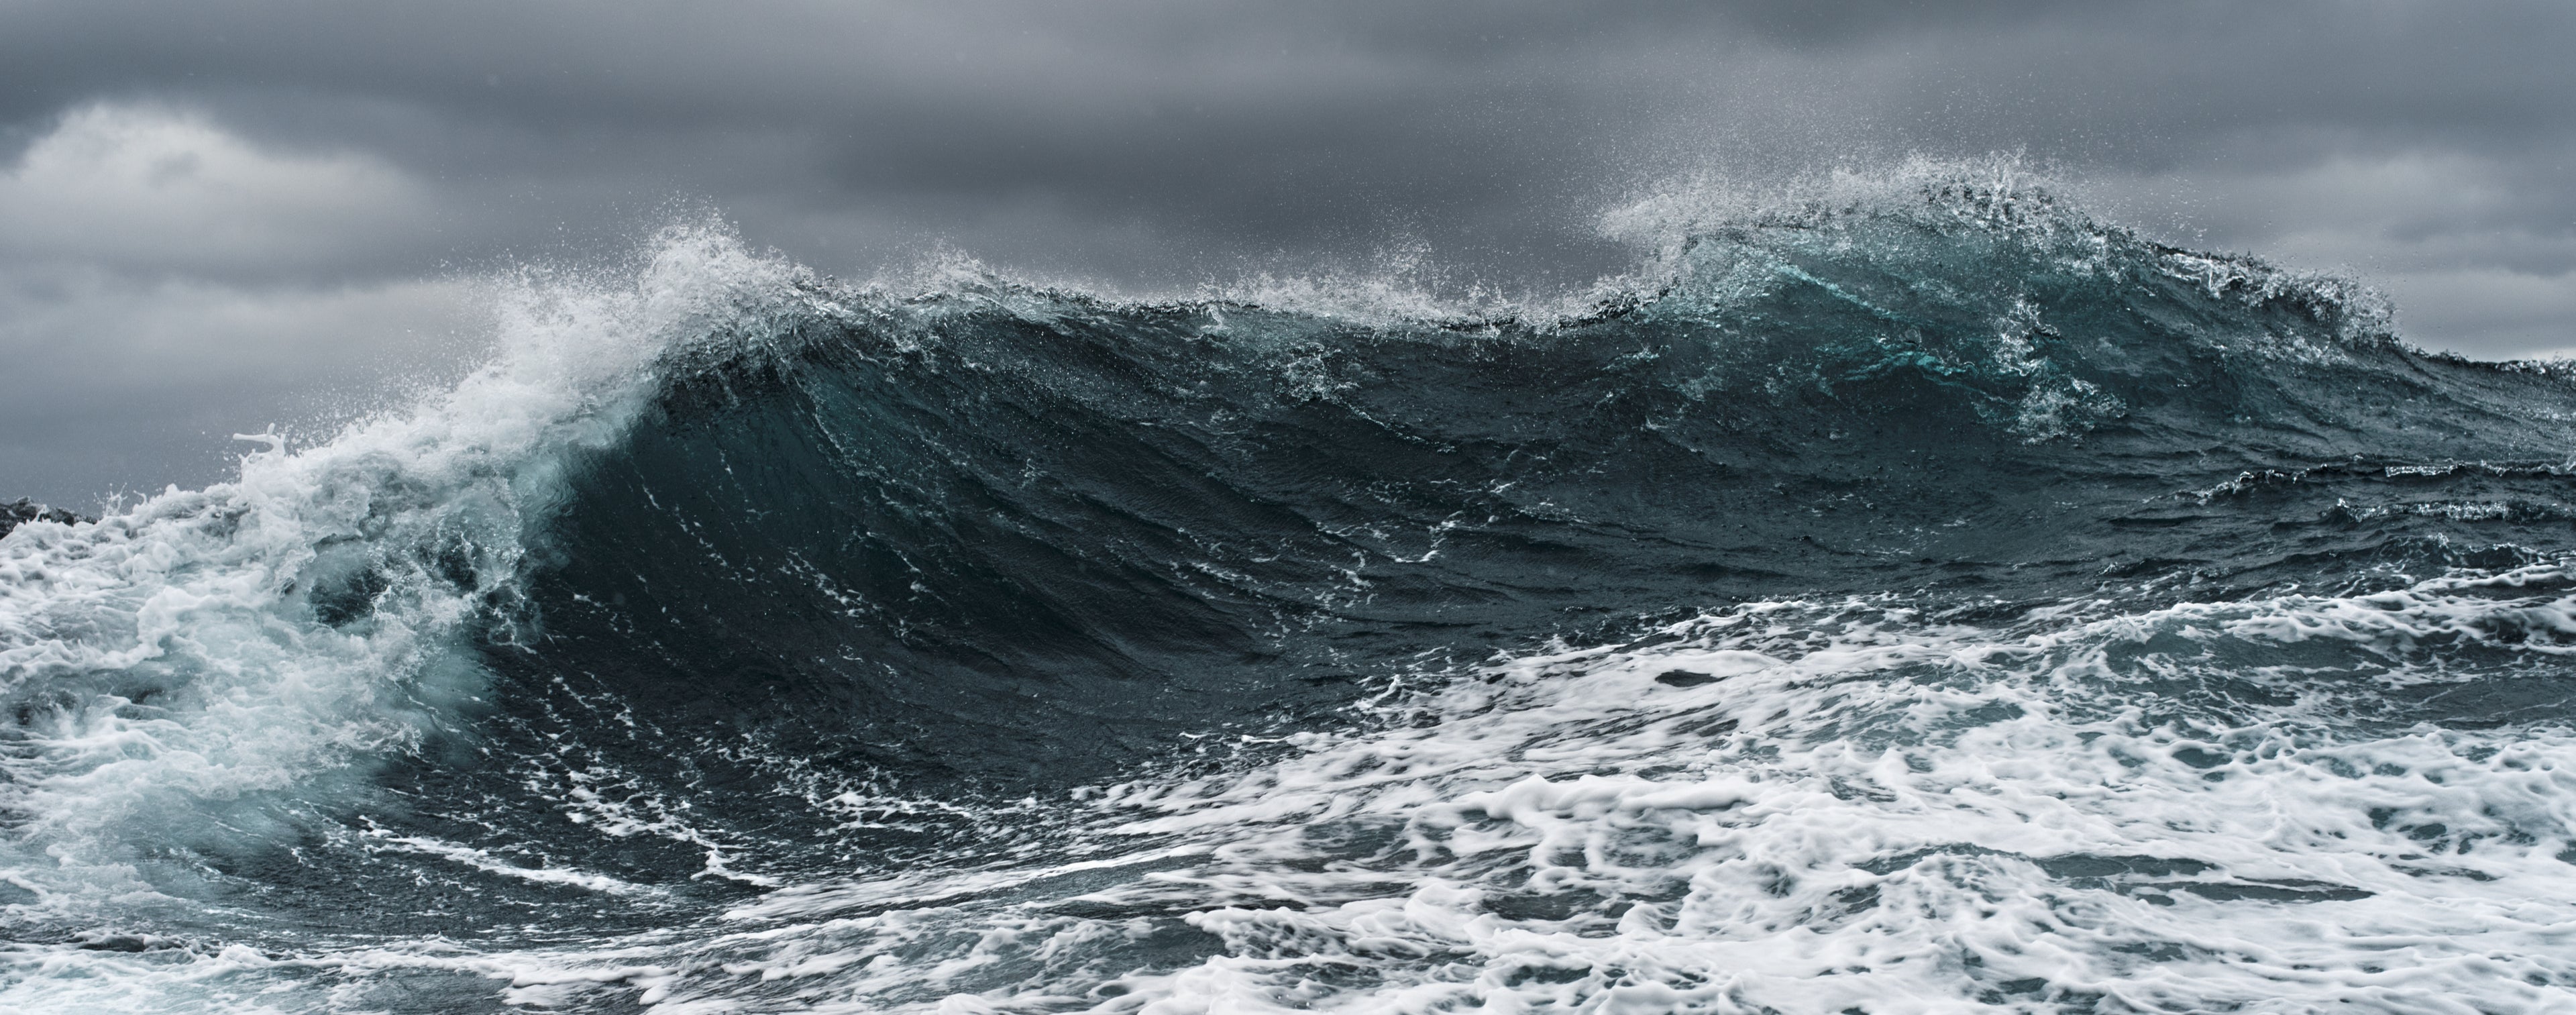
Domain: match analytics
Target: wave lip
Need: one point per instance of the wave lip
(191, 674)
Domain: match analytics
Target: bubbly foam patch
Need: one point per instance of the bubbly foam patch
(1789, 806)
(1801, 807)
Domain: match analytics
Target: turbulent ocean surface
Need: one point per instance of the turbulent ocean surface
(1914, 596)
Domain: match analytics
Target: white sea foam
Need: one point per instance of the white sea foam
(1866, 810)
(1784, 807)
(483, 860)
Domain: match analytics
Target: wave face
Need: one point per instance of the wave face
(1917, 597)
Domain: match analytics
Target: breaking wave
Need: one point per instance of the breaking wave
(1910, 594)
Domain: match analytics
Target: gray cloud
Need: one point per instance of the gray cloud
(316, 156)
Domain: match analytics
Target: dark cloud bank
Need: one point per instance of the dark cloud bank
(216, 216)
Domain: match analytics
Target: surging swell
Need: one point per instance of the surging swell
(736, 577)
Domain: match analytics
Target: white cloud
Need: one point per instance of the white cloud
(149, 188)
(164, 282)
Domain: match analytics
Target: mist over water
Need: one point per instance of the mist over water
(1901, 593)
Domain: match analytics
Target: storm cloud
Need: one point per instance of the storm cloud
(218, 216)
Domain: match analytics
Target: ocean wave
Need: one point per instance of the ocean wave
(1907, 586)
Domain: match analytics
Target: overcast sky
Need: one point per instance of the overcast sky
(215, 216)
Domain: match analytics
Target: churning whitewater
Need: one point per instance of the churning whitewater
(1909, 595)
